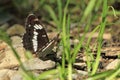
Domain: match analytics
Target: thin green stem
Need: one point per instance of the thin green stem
(100, 37)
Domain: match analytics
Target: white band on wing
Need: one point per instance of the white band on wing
(34, 40)
(38, 26)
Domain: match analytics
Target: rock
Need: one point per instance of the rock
(3, 45)
(5, 74)
(16, 29)
(19, 75)
(113, 64)
(80, 64)
(37, 64)
(9, 59)
(17, 41)
(79, 75)
(16, 76)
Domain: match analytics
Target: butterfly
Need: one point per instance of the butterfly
(36, 39)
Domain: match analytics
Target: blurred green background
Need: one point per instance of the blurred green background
(15, 11)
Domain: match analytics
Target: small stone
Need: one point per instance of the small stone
(16, 29)
(79, 75)
(16, 76)
(16, 41)
(5, 74)
(80, 64)
(37, 64)
(9, 59)
(113, 64)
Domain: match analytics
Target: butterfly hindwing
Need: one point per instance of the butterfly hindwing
(48, 47)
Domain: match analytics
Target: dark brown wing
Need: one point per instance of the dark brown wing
(35, 36)
(48, 47)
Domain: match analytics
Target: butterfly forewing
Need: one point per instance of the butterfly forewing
(35, 36)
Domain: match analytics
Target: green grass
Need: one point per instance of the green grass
(62, 19)
(100, 37)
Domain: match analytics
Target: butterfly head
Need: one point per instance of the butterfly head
(31, 20)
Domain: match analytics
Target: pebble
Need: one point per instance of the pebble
(16, 29)
(113, 64)
(38, 64)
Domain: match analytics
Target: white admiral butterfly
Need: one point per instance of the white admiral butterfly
(35, 39)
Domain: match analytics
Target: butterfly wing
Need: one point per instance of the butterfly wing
(35, 36)
(48, 47)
